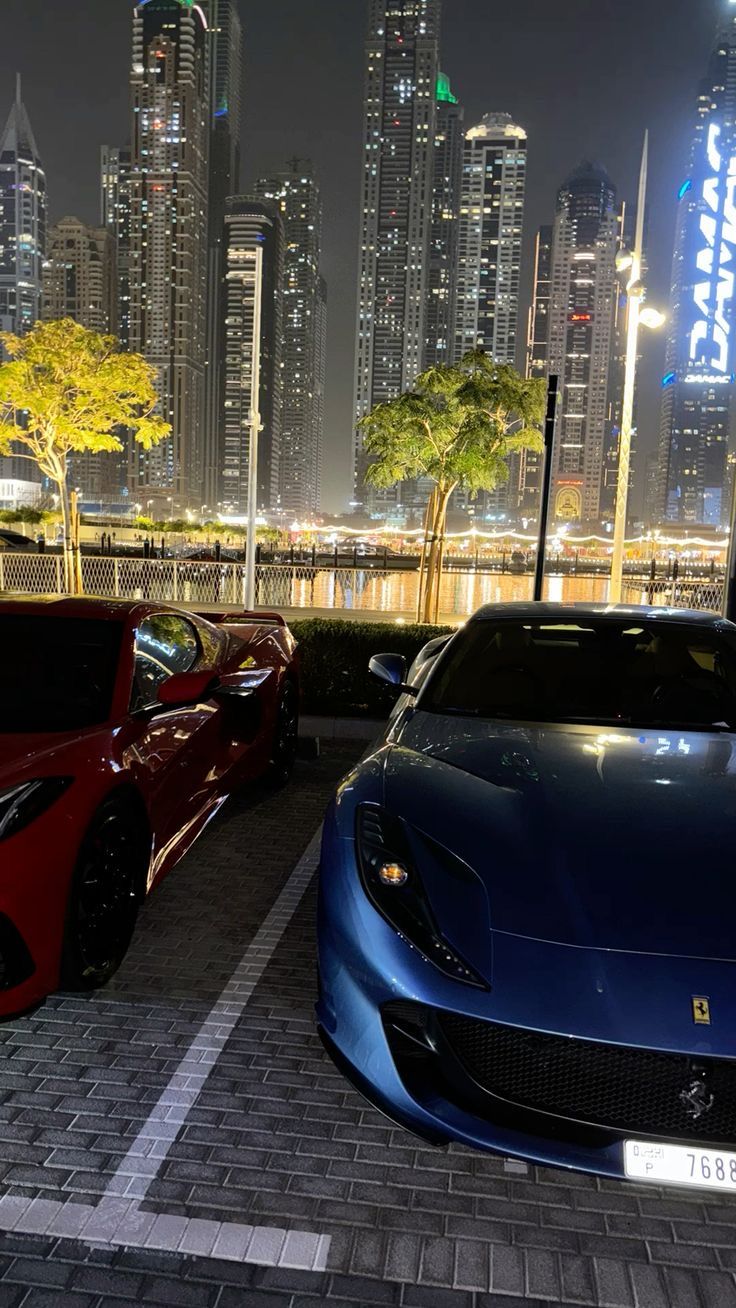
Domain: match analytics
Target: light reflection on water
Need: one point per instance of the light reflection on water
(396, 592)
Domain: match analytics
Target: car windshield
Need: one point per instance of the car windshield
(56, 674)
(632, 672)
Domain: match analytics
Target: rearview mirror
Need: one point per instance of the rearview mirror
(393, 669)
(187, 688)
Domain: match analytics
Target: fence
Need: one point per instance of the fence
(675, 593)
(302, 586)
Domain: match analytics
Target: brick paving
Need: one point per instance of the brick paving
(276, 1155)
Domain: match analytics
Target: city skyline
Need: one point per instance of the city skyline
(461, 73)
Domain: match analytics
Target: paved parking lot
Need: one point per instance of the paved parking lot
(181, 1139)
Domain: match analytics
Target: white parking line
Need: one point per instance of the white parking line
(118, 1218)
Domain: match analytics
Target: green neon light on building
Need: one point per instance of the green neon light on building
(444, 90)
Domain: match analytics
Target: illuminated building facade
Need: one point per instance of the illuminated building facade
(698, 386)
(297, 196)
(491, 232)
(251, 224)
(115, 218)
(79, 283)
(537, 348)
(78, 275)
(400, 125)
(225, 45)
(22, 238)
(443, 245)
(583, 304)
(169, 184)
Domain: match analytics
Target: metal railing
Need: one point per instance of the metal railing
(303, 586)
(676, 593)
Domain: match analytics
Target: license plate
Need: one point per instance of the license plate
(714, 1169)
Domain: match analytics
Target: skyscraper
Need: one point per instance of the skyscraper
(115, 218)
(225, 44)
(78, 275)
(537, 350)
(22, 238)
(491, 231)
(698, 401)
(169, 183)
(251, 224)
(443, 247)
(400, 123)
(22, 222)
(582, 315)
(79, 283)
(297, 196)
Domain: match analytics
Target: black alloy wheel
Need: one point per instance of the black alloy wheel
(104, 898)
(286, 736)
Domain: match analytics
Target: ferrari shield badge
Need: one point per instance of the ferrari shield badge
(701, 1011)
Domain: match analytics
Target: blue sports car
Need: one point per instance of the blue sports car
(527, 918)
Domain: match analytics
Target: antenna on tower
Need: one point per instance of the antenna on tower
(17, 88)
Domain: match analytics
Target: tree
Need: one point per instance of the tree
(457, 428)
(67, 390)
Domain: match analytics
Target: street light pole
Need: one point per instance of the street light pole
(255, 428)
(627, 413)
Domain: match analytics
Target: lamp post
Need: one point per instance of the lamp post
(255, 428)
(637, 315)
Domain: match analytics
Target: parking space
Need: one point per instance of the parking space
(180, 1138)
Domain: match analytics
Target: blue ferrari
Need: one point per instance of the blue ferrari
(527, 910)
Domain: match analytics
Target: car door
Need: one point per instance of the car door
(170, 753)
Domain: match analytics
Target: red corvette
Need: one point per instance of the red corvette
(123, 727)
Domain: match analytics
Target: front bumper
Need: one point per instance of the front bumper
(36, 868)
(380, 1013)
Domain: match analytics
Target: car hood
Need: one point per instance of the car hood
(595, 838)
(31, 753)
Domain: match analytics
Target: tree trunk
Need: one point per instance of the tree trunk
(431, 599)
(70, 577)
(428, 520)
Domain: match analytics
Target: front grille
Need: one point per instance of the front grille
(633, 1091)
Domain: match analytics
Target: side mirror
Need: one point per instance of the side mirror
(187, 688)
(393, 669)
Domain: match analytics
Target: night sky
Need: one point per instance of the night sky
(585, 77)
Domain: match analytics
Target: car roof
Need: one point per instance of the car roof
(530, 609)
(81, 606)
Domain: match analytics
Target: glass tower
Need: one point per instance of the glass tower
(698, 385)
(297, 196)
(400, 124)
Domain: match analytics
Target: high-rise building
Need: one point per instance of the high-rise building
(443, 247)
(530, 463)
(491, 232)
(169, 184)
(22, 240)
(250, 225)
(492, 197)
(22, 222)
(400, 125)
(698, 400)
(225, 43)
(115, 218)
(79, 283)
(78, 275)
(297, 196)
(582, 339)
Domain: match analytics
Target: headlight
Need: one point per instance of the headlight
(393, 884)
(21, 804)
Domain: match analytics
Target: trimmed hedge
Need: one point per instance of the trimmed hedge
(334, 655)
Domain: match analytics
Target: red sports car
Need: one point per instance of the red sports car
(123, 727)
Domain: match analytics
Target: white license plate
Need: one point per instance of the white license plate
(714, 1169)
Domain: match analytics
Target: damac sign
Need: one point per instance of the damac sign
(713, 296)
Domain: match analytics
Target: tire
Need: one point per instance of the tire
(286, 737)
(104, 898)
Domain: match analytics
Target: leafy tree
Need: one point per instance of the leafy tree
(67, 390)
(457, 428)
